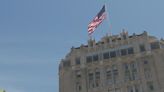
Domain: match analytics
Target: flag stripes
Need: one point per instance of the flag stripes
(96, 21)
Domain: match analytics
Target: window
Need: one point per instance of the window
(90, 76)
(97, 78)
(95, 57)
(127, 71)
(89, 59)
(108, 74)
(137, 88)
(114, 90)
(134, 70)
(155, 45)
(78, 74)
(130, 51)
(123, 52)
(126, 66)
(130, 89)
(117, 90)
(147, 72)
(131, 71)
(91, 80)
(77, 60)
(78, 87)
(66, 63)
(115, 74)
(150, 86)
(106, 55)
(97, 74)
(142, 48)
(145, 62)
(112, 54)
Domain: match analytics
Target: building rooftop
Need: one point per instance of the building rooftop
(116, 45)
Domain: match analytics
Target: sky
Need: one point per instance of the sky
(36, 34)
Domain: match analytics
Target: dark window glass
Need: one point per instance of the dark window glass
(155, 45)
(78, 76)
(90, 76)
(89, 59)
(123, 52)
(97, 75)
(80, 87)
(66, 63)
(145, 62)
(130, 51)
(142, 48)
(115, 72)
(126, 66)
(77, 61)
(112, 54)
(108, 74)
(95, 58)
(106, 55)
(150, 86)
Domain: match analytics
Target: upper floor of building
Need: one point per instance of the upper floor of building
(110, 47)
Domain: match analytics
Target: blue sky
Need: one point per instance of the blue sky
(36, 34)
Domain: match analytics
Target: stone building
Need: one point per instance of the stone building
(118, 63)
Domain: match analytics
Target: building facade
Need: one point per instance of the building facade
(118, 63)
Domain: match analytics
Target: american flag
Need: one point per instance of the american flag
(97, 21)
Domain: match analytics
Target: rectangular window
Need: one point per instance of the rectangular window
(108, 75)
(147, 73)
(78, 74)
(130, 89)
(150, 86)
(77, 60)
(142, 48)
(130, 50)
(134, 72)
(89, 59)
(67, 63)
(95, 57)
(90, 76)
(106, 55)
(127, 72)
(155, 45)
(123, 52)
(115, 72)
(117, 90)
(78, 87)
(97, 75)
(112, 54)
(137, 88)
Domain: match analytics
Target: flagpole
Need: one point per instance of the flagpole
(110, 33)
(90, 36)
(107, 16)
